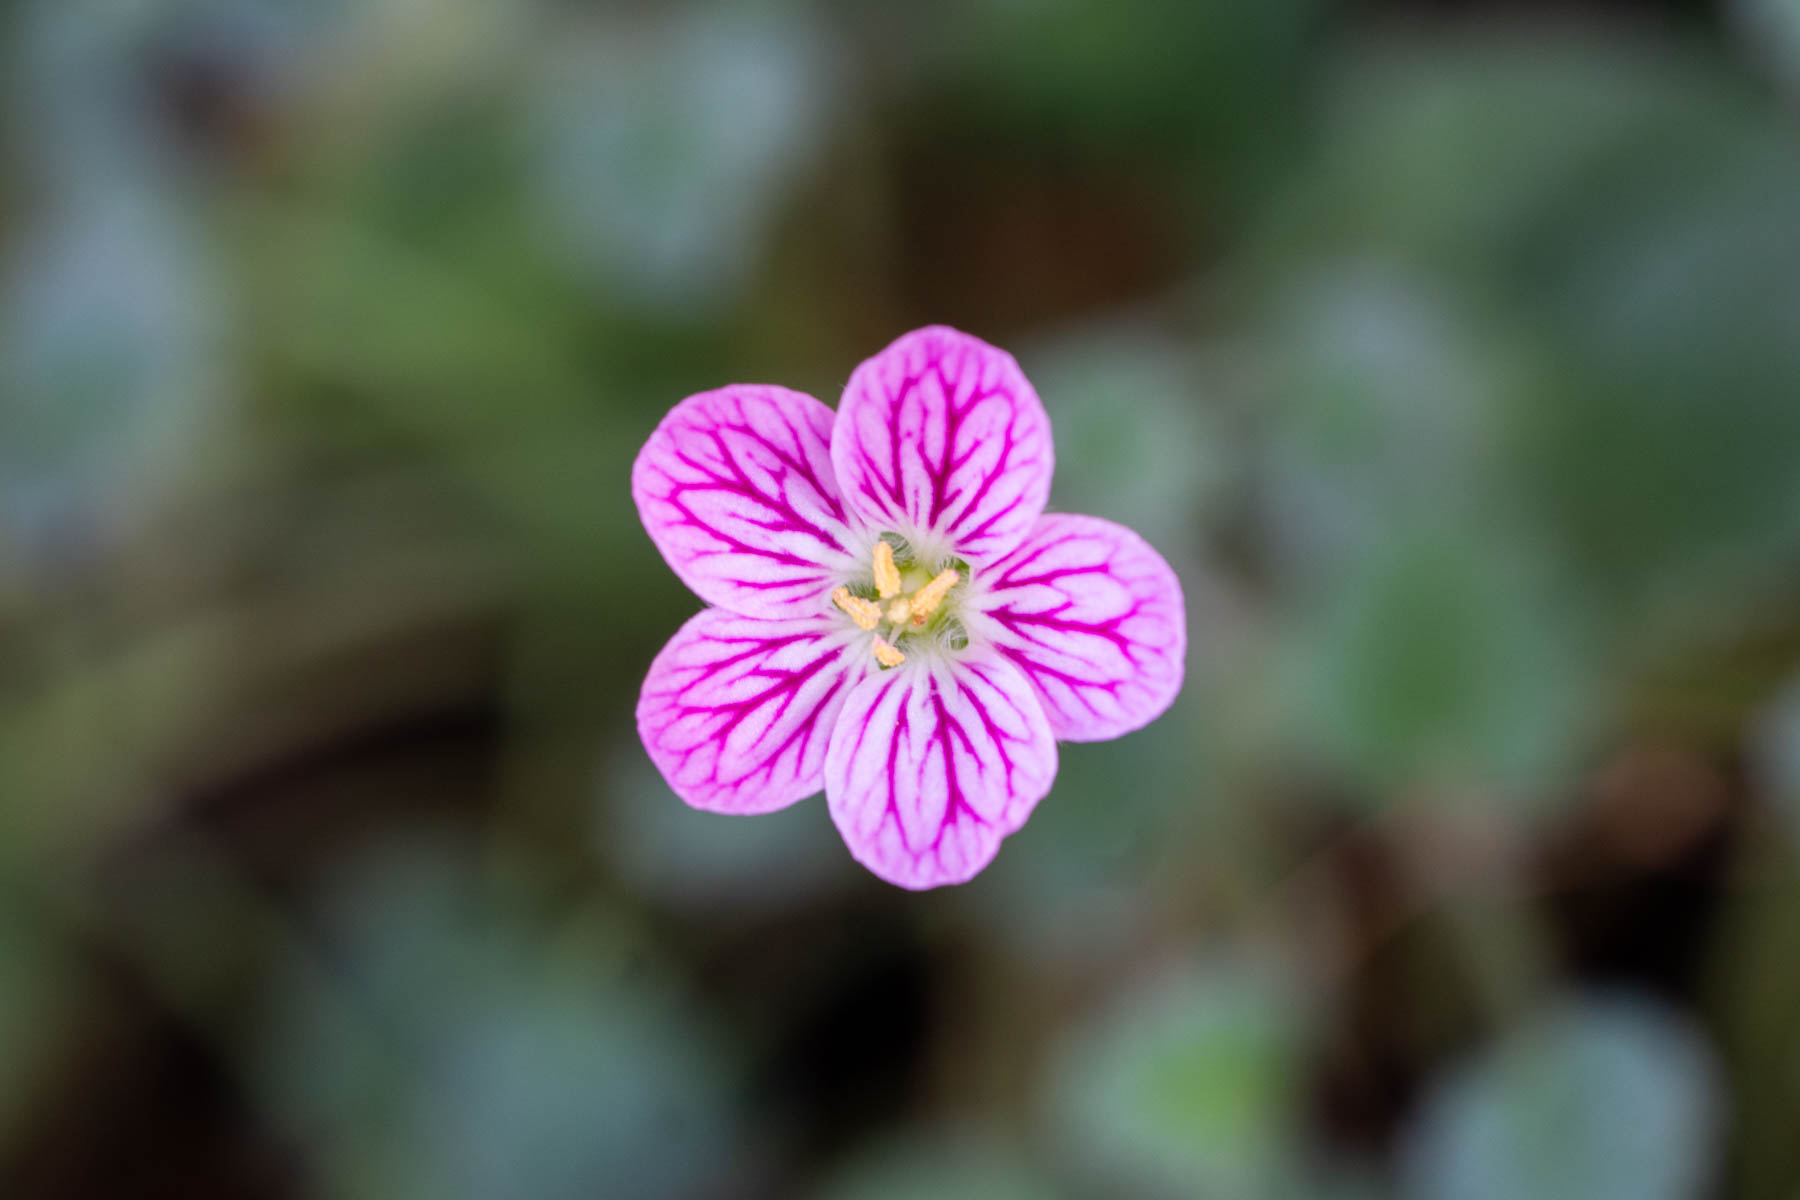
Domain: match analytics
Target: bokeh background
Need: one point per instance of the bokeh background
(1451, 352)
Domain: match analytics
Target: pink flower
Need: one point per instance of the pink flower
(896, 618)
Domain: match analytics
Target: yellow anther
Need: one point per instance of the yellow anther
(887, 573)
(899, 610)
(886, 655)
(927, 598)
(866, 613)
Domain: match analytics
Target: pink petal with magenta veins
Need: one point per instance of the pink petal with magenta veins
(737, 712)
(932, 764)
(737, 490)
(1094, 618)
(941, 436)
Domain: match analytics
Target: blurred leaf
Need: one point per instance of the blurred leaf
(957, 1165)
(1771, 30)
(1453, 149)
(1141, 434)
(1436, 658)
(1774, 755)
(1389, 401)
(1673, 285)
(480, 373)
(711, 862)
(456, 1053)
(1067, 885)
(1208, 82)
(110, 342)
(1189, 1085)
(1627, 211)
(1601, 1099)
(662, 148)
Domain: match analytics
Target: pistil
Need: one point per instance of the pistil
(894, 608)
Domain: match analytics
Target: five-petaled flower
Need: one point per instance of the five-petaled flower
(895, 617)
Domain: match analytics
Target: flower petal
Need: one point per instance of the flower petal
(931, 765)
(737, 491)
(1095, 619)
(737, 711)
(941, 437)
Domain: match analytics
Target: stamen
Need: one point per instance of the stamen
(887, 572)
(899, 610)
(927, 598)
(886, 655)
(866, 613)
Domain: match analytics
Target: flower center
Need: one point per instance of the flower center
(905, 602)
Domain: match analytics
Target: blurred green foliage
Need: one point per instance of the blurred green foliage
(1453, 361)
(465, 1056)
(1598, 1099)
(1190, 1087)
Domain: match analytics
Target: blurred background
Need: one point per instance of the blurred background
(1450, 351)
